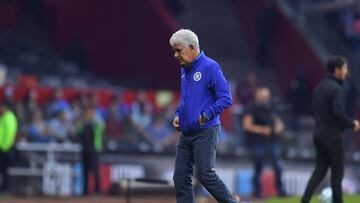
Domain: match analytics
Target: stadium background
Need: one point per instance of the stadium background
(59, 53)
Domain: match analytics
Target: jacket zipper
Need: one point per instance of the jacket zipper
(186, 100)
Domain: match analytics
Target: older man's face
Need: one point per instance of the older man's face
(184, 55)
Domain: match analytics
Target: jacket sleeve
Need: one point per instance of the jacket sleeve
(177, 112)
(222, 91)
(338, 109)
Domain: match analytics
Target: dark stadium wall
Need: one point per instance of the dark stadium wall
(288, 51)
(8, 15)
(124, 40)
(292, 50)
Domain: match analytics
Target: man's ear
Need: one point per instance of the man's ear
(191, 46)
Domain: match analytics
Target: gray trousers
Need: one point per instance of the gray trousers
(199, 150)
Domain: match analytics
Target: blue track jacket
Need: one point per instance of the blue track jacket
(204, 89)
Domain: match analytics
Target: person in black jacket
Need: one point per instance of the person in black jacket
(90, 130)
(331, 120)
(263, 129)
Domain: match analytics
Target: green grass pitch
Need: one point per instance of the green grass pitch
(347, 199)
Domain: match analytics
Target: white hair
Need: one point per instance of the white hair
(185, 38)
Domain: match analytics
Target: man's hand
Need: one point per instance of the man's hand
(357, 125)
(279, 126)
(176, 123)
(202, 120)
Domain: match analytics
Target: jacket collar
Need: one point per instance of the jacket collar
(331, 77)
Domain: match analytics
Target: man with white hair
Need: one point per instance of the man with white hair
(205, 94)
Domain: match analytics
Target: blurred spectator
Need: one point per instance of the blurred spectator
(118, 117)
(37, 130)
(347, 23)
(168, 112)
(263, 128)
(100, 112)
(30, 103)
(22, 119)
(350, 19)
(59, 128)
(141, 111)
(129, 126)
(90, 132)
(265, 32)
(346, 20)
(141, 116)
(161, 135)
(114, 126)
(75, 109)
(119, 108)
(357, 24)
(20, 112)
(90, 99)
(58, 104)
(8, 129)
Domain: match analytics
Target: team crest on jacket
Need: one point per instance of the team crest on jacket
(197, 76)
